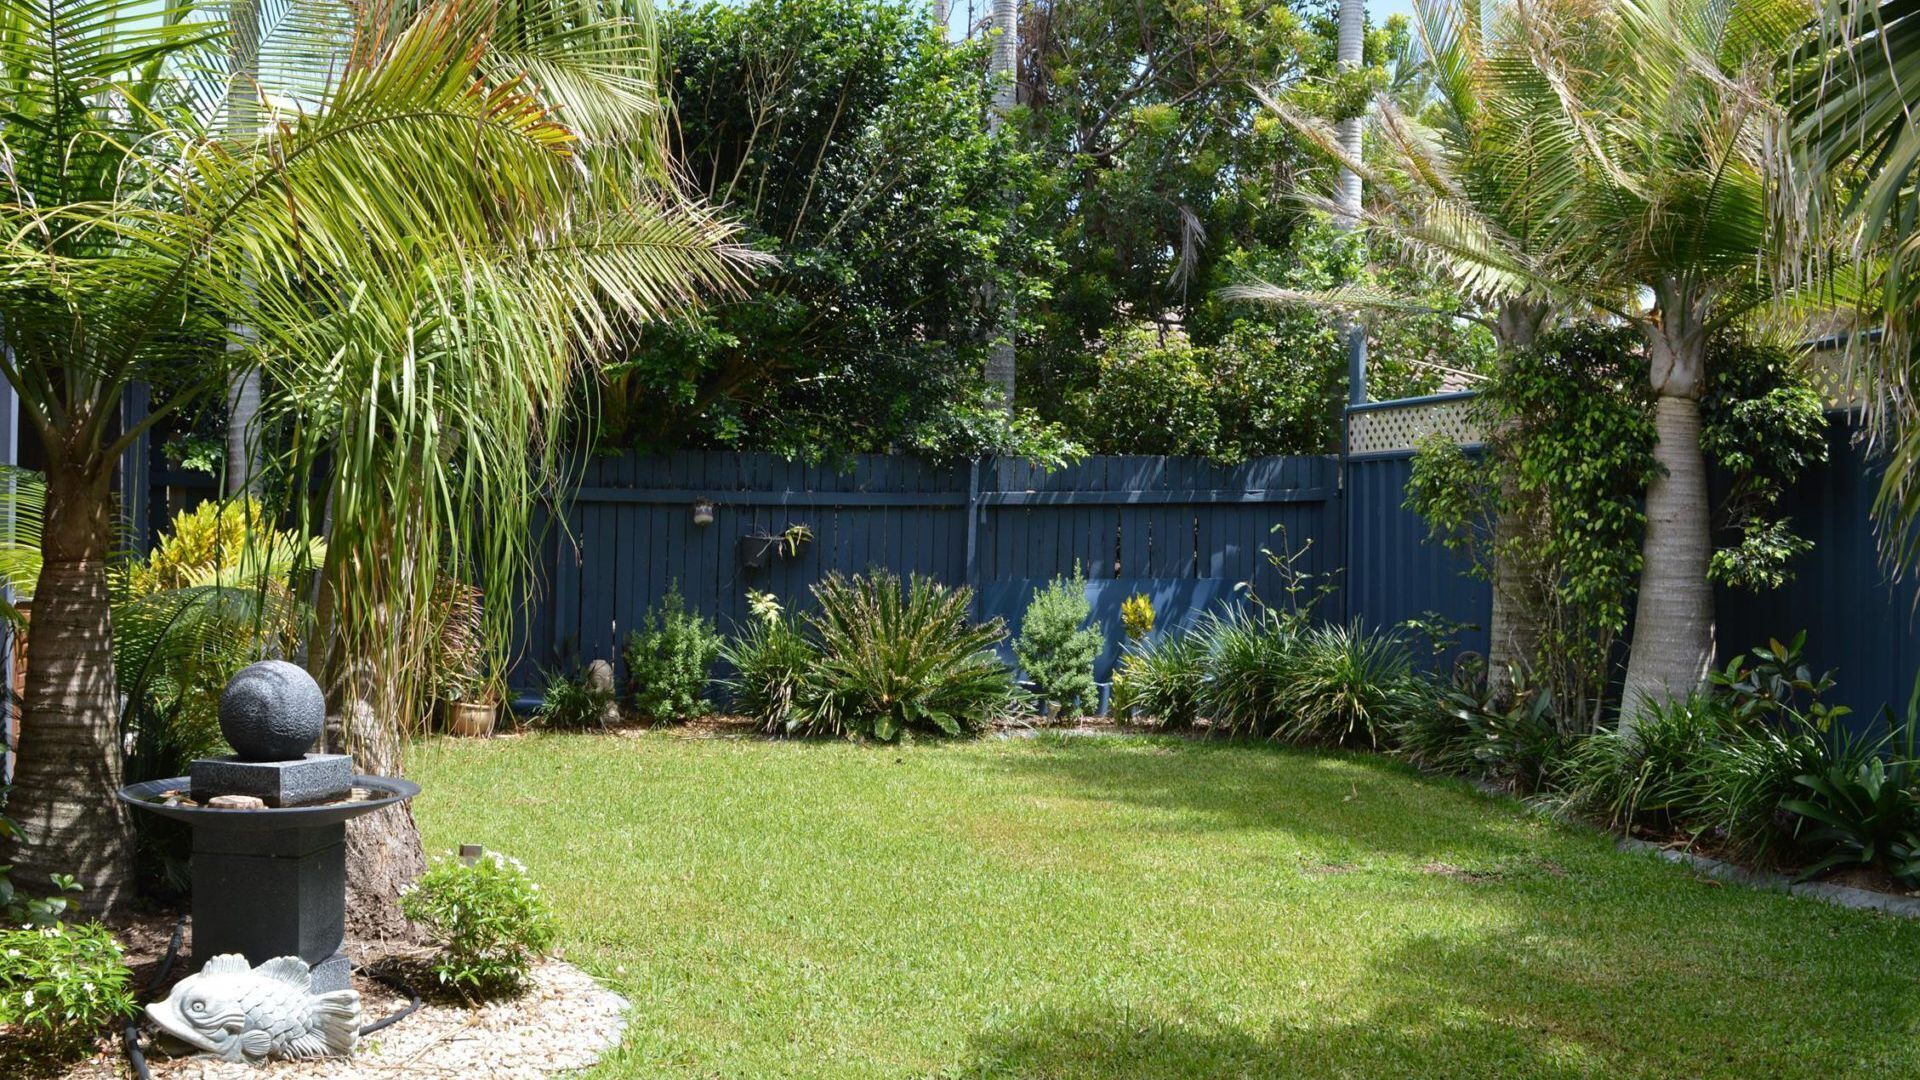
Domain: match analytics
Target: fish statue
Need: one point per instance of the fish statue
(252, 1014)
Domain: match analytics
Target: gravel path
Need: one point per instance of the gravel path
(565, 1021)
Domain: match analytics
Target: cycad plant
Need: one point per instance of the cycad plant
(411, 244)
(892, 660)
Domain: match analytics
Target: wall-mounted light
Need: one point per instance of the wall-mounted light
(703, 512)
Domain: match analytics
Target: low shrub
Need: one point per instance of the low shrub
(1344, 685)
(1160, 680)
(61, 984)
(488, 918)
(669, 661)
(570, 702)
(1508, 739)
(1057, 649)
(770, 658)
(894, 660)
(1250, 651)
(1136, 616)
(1657, 777)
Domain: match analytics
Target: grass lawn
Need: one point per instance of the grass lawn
(1140, 908)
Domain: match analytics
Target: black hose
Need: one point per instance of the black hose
(393, 981)
(130, 1035)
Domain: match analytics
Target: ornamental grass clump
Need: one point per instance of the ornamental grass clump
(894, 660)
(1344, 685)
(1057, 649)
(61, 984)
(1250, 652)
(1159, 681)
(488, 918)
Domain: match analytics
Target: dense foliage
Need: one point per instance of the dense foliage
(1057, 648)
(487, 917)
(61, 984)
(670, 660)
(850, 139)
(1572, 436)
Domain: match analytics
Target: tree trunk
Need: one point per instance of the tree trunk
(1348, 56)
(1002, 372)
(1519, 596)
(69, 755)
(1673, 633)
(384, 850)
(243, 404)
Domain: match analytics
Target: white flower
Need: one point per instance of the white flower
(27, 998)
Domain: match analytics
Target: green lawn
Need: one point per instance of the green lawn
(1137, 908)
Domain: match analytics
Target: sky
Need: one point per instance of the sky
(1377, 12)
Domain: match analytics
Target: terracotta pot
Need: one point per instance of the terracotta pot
(471, 718)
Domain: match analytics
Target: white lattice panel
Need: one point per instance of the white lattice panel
(1400, 428)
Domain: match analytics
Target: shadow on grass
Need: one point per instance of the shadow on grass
(1584, 1005)
(1351, 799)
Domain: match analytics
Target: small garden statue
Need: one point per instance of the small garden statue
(252, 1014)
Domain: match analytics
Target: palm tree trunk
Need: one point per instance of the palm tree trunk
(1673, 632)
(384, 849)
(69, 755)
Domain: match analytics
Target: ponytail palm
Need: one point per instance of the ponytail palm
(1648, 124)
(403, 172)
(1468, 187)
(1672, 105)
(1857, 126)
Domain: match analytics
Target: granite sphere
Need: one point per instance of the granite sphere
(272, 711)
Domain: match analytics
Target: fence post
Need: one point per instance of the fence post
(973, 539)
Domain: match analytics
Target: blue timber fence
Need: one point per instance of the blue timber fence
(1860, 621)
(1182, 530)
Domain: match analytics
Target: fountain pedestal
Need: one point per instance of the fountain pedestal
(271, 880)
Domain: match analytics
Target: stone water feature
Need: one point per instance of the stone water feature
(269, 825)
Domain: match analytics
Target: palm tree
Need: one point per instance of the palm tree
(407, 145)
(1857, 167)
(1668, 108)
(1459, 189)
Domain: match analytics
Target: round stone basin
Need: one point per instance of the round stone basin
(387, 791)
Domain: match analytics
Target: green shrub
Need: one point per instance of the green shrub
(1511, 739)
(1863, 813)
(669, 660)
(571, 703)
(1250, 651)
(770, 659)
(62, 983)
(1658, 777)
(1751, 771)
(895, 660)
(1160, 680)
(1343, 686)
(488, 918)
(1136, 616)
(1057, 649)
